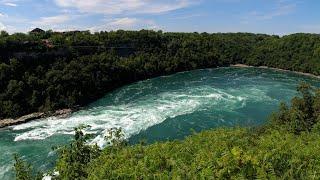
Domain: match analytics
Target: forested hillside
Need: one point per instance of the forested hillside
(44, 71)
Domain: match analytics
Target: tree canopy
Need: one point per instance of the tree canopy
(51, 70)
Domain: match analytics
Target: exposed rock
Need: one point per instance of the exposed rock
(23, 119)
(277, 69)
(62, 113)
(240, 65)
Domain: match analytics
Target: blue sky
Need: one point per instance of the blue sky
(257, 16)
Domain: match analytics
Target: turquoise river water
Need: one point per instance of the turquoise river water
(163, 108)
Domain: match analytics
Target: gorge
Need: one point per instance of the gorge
(159, 109)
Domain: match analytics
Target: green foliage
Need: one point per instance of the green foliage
(42, 77)
(271, 152)
(234, 153)
(288, 148)
(216, 154)
(24, 170)
(73, 159)
(303, 113)
(115, 138)
(53, 70)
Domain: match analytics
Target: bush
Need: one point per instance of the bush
(303, 113)
(288, 148)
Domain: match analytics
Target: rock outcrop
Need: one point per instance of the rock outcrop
(23, 119)
(63, 113)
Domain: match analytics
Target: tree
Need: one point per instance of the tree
(303, 113)
(73, 159)
(24, 170)
(82, 67)
(4, 34)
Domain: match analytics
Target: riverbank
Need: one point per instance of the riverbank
(206, 148)
(62, 113)
(276, 69)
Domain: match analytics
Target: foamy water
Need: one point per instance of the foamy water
(159, 109)
(132, 117)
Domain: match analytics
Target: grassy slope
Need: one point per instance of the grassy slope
(221, 153)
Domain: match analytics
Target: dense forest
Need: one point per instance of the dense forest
(287, 147)
(46, 71)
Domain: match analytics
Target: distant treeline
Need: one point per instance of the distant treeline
(45, 71)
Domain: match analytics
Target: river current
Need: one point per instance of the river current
(163, 108)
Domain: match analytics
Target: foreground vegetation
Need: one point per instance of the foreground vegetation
(46, 71)
(288, 147)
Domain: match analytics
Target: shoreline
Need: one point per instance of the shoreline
(64, 113)
(276, 69)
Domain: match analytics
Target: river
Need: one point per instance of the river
(163, 108)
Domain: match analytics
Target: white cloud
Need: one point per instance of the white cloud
(12, 23)
(11, 3)
(2, 27)
(52, 20)
(189, 16)
(125, 23)
(280, 8)
(8, 28)
(278, 11)
(125, 6)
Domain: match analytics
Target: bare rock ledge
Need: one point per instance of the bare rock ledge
(23, 119)
(63, 113)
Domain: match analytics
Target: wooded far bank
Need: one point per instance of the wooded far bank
(45, 71)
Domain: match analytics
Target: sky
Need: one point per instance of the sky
(278, 17)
